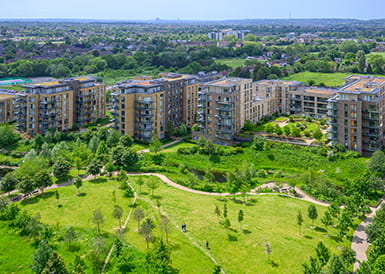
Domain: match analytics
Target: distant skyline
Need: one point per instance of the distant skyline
(191, 10)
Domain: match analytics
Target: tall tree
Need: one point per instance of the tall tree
(61, 168)
(152, 184)
(138, 216)
(140, 182)
(117, 213)
(165, 225)
(70, 235)
(146, 230)
(299, 221)
(240, 218)
(155, 145)
(361, 61)
(43, 180)
(78, 182)
(98, 218)
(41, 256)
(312, 213)
(323, 254)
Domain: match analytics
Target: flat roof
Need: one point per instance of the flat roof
(284, 82)
(321, 91)
(363, 83)
(6, 96)
(228, 82)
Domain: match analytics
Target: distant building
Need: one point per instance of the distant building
(239, 34)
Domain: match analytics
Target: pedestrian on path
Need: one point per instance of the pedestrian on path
(207, 245)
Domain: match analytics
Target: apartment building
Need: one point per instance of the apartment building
(357, 114)
(279, 90)
(223, 107)
(170, 100)
(311, 101)
(181, 98)
(7, 110)
(139, 108)
(60, 104)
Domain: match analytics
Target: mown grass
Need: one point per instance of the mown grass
(70, 210)
(231, 62)
(241, 248)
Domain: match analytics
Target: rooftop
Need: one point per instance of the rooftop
(359, 84)
(228, 82)
(4, 96)
(279, 82)
(321, 91)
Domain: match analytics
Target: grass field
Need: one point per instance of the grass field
(74, 211)
(13, 87)
(239, 249)
(231, 62)
(329, 79)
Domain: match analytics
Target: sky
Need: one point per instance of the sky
(192, 10)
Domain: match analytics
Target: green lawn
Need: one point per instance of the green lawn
(232, 62)
(74, 211)
(13, 87)
(329, 79)
(175, 147)
(271, 218)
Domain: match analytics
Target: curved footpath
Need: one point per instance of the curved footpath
(360, 238)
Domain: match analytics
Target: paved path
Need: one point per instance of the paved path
(360, 238)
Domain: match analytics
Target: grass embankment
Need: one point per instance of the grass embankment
(239, 249)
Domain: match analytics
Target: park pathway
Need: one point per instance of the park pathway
(122, 228)
(360, 242)
(164, 146)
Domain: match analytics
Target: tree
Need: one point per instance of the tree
(217, 269)
(42, 180)
(109, 167)
(94, 168)
(78, 182)
(277, 129)
(258, 143)
(377, 163)
(113, 138)
(57, 196)
(269, 128)
(138, 216)
(268, 249)
(4, 202)
(146, 230)
(155, 145)
(326, 219)
(152, 184)
(201, 141)
(299, 221)
(312, 213)
(361, 61)
(217, 211)
(158, 260)
(55, 265)
(344, 222)
(61, 168)
(313, 268)
(165, 225)
(209, 147)
(122, 176)
(41, 256)
(117, 213)
(240, 218)
(126, 141)
(93, 144)
(140, 182)
(9, 182)
(70, 235)
(45, 152)
(122, 156)
(26, 185)
(78, 266)
(335, 265)
(323, 254)
(227, 223)
(98, 218)
(34, 227)
(317, 134)
(7, 136)
(38, 141)
(225, 210)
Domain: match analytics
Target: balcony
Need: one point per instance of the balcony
(371, 118)
(224, 109)
(224, 103)
(332, 107)
(144, 108)
(371, 134)
(227, 131)
(144, 129)
(143, 102)
(145, 115)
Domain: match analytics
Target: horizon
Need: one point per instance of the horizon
(199, 10)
